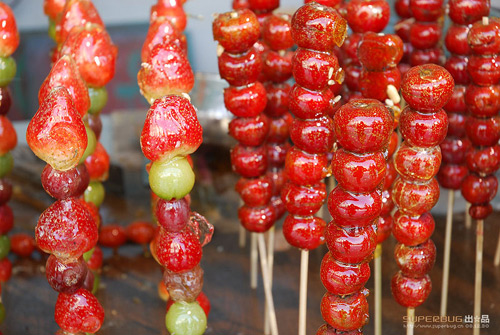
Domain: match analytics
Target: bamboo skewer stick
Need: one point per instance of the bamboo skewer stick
(242, 237)
(447, 247)
(304, 265)
(378, 289)
(496, 262)
(270, 262)
(468, 219)
(410, 325)
(267, 289)
(479, 274)
(253, 260)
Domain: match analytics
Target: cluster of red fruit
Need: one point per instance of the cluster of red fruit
(456, 145)
(171, 132)
(8, 137)
(426, 89)
(402, 29)
(62, 134)
(483, 124)
(240, 65)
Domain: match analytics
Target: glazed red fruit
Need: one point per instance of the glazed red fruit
(377, 52)
(172, 10)
(480, 212)
(162, 31)
(95, 261)
(255, 192)
(5, 270)
(402, 8)
(276, 32)
(8, 31)
(303, 200)
(277, 65)
(402, 29)
(263, 5)
(236, 31)
(456, 125)
(351, 209)
(93, 52)
(427, 88)
(484, 39)
(352, 74)
(240, 4)
(22, 244)
(279, 129)
(456, 39)
(8, 135)
(250, 131)
(76, 13)
(304, 232)
(313, 136)
(245, 101)
(364, 16)
(318, 27)
(249, 162)
(173, 215)
(483, 132)
(345, 313)
(484, 161)
(95, 123)
(257, 219)
(65, 275)
(179, 251)
(314, 70)
(306, 104)
(329, 330)
(343, 279)
(417, 164)
(171, 129)
(97, 163)
(305, 169)
(373, 84)
(417, 261)
(363, 125)
(410, 292)
(140, 232)
(166, 71)
(52, 8)
(79, 312)
(479, 190)
(412, 230)
(415, 198)
(350, 49)
(65, 184)
(422, 57)
(277, 99)
(358, 172)
(456, 104)
(451, 176)
(112, 236)
(484, 70)
(425, 35)
(457, 67)
(384, 226)
(427, 10)
(66, 229)
(56, 134)
(6, 219)
(240, 69)
(351, 245)
(482, 101)
(5, 100)
(467, 12)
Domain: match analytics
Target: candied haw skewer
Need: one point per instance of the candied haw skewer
(316, 29)
(380, 79)
(456, 144)
(425, 32)
(240, 65)
(8, 137)
(171, 132)
(402, 29)
(363, 128)
(483, 130)
(426, 89)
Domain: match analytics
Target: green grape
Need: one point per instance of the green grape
(185, 318)
(6, 164)
(98, 99)
(91, 144)
(2, 313)
(7, 70)
(88, 255)
(4, 246)
(95, 193)
(172, 179)
(52, 29)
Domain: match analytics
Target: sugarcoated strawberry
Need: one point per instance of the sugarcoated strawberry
(162, 31)
(79, 312)
(8, 31)
(76, 13)
(8, 135)
(52, 8)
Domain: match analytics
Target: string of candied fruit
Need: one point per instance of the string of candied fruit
(456, 145)
(315, 68)
(8, 139)
(402, 29)
(380, 79)
(482, 129)
(425, 32)
(423, 123)
(171, 132)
